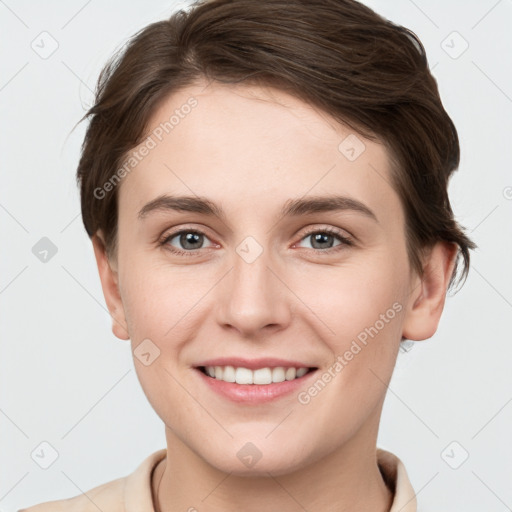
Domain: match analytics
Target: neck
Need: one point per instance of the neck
(347, 479)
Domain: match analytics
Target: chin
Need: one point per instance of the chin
(259, 457)
(261, 468)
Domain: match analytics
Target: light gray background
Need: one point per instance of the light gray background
(66, 380)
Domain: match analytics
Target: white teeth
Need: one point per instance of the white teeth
(301, 372)
(242, 376)
(229, 374)
(278, 374)
(260, 376)
(291, 373)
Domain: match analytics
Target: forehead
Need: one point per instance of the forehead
(228, 142)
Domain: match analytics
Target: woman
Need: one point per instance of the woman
(265, 187)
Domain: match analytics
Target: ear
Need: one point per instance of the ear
(109, 283)
(426, 301)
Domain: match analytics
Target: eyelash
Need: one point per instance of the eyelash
(346, 242)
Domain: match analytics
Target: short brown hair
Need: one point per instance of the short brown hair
(337, 55)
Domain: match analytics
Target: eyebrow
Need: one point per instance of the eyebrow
(292, 207)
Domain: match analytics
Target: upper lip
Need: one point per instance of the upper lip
(253, 364)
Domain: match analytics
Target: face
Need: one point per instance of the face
(299, 256)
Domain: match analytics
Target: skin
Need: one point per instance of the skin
(250, 149)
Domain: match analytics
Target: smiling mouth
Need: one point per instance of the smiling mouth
(261, 376)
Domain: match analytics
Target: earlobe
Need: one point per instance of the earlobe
(109, 284)
(427, 297)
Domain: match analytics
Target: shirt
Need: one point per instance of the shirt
(132, 493)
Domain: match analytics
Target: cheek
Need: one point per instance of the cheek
(359, 309)
(163, 303)
(352, 297)
(160, 313)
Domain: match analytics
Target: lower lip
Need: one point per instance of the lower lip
(254, 393)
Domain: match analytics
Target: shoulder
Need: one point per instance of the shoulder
(126, 494)
(107, 497)
(396, 478)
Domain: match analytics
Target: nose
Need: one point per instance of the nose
(253, 298)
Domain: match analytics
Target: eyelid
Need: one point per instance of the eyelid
(346, 239)
(176, 230)
(344, 236)
(167, 236)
